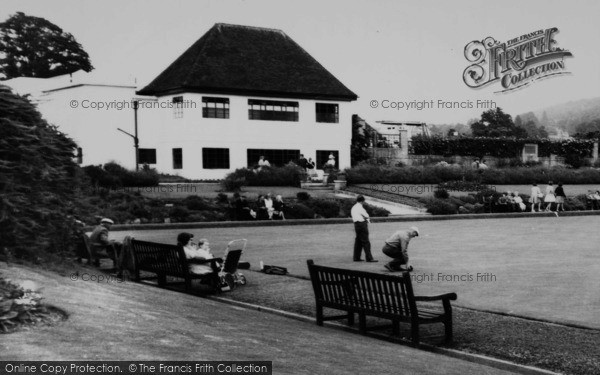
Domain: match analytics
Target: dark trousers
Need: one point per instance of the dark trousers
(397, 256)
(362, 240)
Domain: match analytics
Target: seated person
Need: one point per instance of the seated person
(518, 202)
(278, 206)
(241, 208)
(196, 252)
(268, 201)
(594, 199)
(503, 202)
(99, 241)
(261, 208)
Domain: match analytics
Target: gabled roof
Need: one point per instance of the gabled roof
(233, 59)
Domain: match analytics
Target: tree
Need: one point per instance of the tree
(38, 179)
(35, 47)
(361, 140)
(495, 123)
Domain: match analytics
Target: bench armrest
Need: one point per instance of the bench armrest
(447, 296)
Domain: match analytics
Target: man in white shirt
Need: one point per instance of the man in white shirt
(360, 217)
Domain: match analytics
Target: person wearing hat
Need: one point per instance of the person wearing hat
(360, 217)
(396, 247)
(99, 240)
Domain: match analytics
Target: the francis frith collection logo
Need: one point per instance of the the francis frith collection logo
(515, 63)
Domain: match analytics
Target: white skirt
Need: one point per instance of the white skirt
(549, 198)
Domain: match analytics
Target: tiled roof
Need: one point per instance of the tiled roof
(233, 59)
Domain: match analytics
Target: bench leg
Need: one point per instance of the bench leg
(448, 330)
(162, 279)
(319, 315)
(188, 284)
(396, 328)
(414, 333)
(350, 318)
(362, 323)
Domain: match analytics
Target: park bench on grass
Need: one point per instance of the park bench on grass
(169, 260)
(379, 295)
(94, 252)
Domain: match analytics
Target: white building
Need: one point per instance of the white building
(90, 110)
(237, 93)
(389, 131)
(240, 93)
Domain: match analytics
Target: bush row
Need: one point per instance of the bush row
(498, 147)
(442, 204)
(374, 174)
(113, 175)
(288, 175)
(127, 208)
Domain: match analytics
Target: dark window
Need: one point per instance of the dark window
(79, 155)
(215, 107)
(215, 158)
(328, 113)
(323, 157)
(275, 157)
(147, 156)
(272, 110)
(177, 158)
(178, 107)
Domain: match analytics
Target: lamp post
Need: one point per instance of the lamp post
(135, 137)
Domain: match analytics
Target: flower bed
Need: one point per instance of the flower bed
(22, 307)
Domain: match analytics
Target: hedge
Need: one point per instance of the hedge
(497, 147)
(373, 174)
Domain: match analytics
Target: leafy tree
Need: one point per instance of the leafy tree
(38, 179)
(495, 123)
(35, 47)
(361, 139)
(588, 130)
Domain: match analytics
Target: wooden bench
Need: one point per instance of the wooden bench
(95, 252)
(169, 260)
(379, 295)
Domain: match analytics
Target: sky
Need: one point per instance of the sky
(395, 51)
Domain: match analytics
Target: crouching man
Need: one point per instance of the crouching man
(396, 247)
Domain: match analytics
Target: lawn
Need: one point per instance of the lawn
(543, 268)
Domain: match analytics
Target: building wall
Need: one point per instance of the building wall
(91, 123)
(192, 132)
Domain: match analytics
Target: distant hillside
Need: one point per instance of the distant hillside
(568, 115)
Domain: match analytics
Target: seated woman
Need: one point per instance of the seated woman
(278, 206)
(518, 201)
(268, 201)
(196, 252)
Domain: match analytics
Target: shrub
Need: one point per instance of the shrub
(179, 213)
(288, 175)
(375, 211)
(299, 211)
(324, 207)
(222, 198)
(440, 207)
(196, 203)
(302, 196)
(441, 194)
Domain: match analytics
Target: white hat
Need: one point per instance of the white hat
(415, 229)
(106, 220)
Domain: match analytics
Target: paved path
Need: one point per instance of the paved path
(395, 209)
(128, 321)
